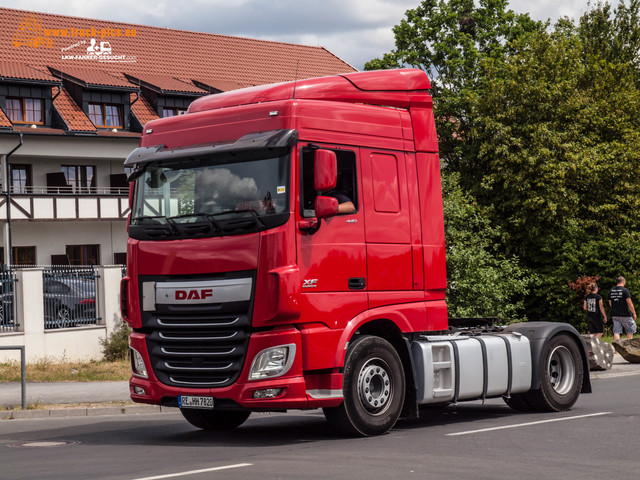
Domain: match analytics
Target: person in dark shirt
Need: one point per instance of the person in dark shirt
(345, 205)
(596, 316)
(623, 312)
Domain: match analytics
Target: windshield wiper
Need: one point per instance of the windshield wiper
(158, 228)
(256, 217)
(206, 216)
(244, 224)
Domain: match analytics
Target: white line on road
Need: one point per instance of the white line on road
(527, 424)
(193, 472)
(598, 376)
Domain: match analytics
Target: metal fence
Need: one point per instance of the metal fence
(8, 317)
(69, 296)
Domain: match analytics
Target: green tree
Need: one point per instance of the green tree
(481, 281)
(540, 123)
(450, 39)
(561, 151)
(612, 34)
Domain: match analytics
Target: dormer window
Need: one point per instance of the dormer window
(172, 112)
(25, 110)
(104, 115)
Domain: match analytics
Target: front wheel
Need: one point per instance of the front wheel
(214, 420)
(561, 378)
(373, 389)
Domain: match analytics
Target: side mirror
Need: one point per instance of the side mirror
(325, 169)
(326, 207)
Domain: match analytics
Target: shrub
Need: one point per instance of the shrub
(116, 347)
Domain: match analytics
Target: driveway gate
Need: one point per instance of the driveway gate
(69, 294)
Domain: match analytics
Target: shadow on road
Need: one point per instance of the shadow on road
(261, 430)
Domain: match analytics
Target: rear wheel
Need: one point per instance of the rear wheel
(561, 378)
(214, 420)
(373, 389)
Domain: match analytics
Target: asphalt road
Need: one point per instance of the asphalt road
(599, 438)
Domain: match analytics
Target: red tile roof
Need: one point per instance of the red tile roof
(142, 109)
(39, 130)
(4, 120)
(97, 53)
(71, 113)
(91, 77)
(21, 71)
(61, 42)
(164, 84)
(219, 85)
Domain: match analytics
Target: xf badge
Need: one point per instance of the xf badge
(311, 283)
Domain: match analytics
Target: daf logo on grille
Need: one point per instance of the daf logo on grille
(195, 294)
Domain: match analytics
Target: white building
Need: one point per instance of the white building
(75, 94)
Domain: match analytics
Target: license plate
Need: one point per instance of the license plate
(186, 401)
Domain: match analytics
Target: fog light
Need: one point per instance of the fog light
(137, 364)
(139, 391)
(267, 393)
(273, 362)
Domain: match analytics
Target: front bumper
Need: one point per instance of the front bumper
(299, 391)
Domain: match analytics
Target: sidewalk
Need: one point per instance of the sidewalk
(63, 395)
(71, 399)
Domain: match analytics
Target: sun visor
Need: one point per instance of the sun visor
(253, 141)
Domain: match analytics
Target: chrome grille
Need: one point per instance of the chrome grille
(198, 346)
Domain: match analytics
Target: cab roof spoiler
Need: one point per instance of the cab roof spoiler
(273, 139)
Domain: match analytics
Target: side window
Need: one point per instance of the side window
(346, 187)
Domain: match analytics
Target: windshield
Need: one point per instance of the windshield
(224, 196)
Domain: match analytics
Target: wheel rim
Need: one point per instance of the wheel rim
(562, 371)
(375, 388)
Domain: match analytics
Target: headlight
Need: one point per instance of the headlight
(273, 362)
(137, 364)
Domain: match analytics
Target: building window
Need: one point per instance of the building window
(25, 110)
(21, 255)
(20, 178)
(172, 112)
(105, 115)
(81, 178)
(83, 254)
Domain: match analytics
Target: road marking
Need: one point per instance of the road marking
(193, 472)
(600, 376)
(527, 424)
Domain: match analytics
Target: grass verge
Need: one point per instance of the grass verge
(45, 370)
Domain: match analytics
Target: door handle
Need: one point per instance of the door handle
(356, 283)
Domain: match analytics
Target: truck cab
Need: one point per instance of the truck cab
(286, 251)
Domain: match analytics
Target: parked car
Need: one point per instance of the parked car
(68, 301)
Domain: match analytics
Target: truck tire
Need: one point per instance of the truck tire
(214, 420)
(373, 389)
(561, 379)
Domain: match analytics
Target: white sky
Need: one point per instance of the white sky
(354, 30)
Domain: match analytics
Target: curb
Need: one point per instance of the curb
(85, 412)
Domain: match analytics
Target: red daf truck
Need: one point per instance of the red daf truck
(286, 251)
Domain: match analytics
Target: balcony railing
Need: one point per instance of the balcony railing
(61, 203)
(68, 190)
